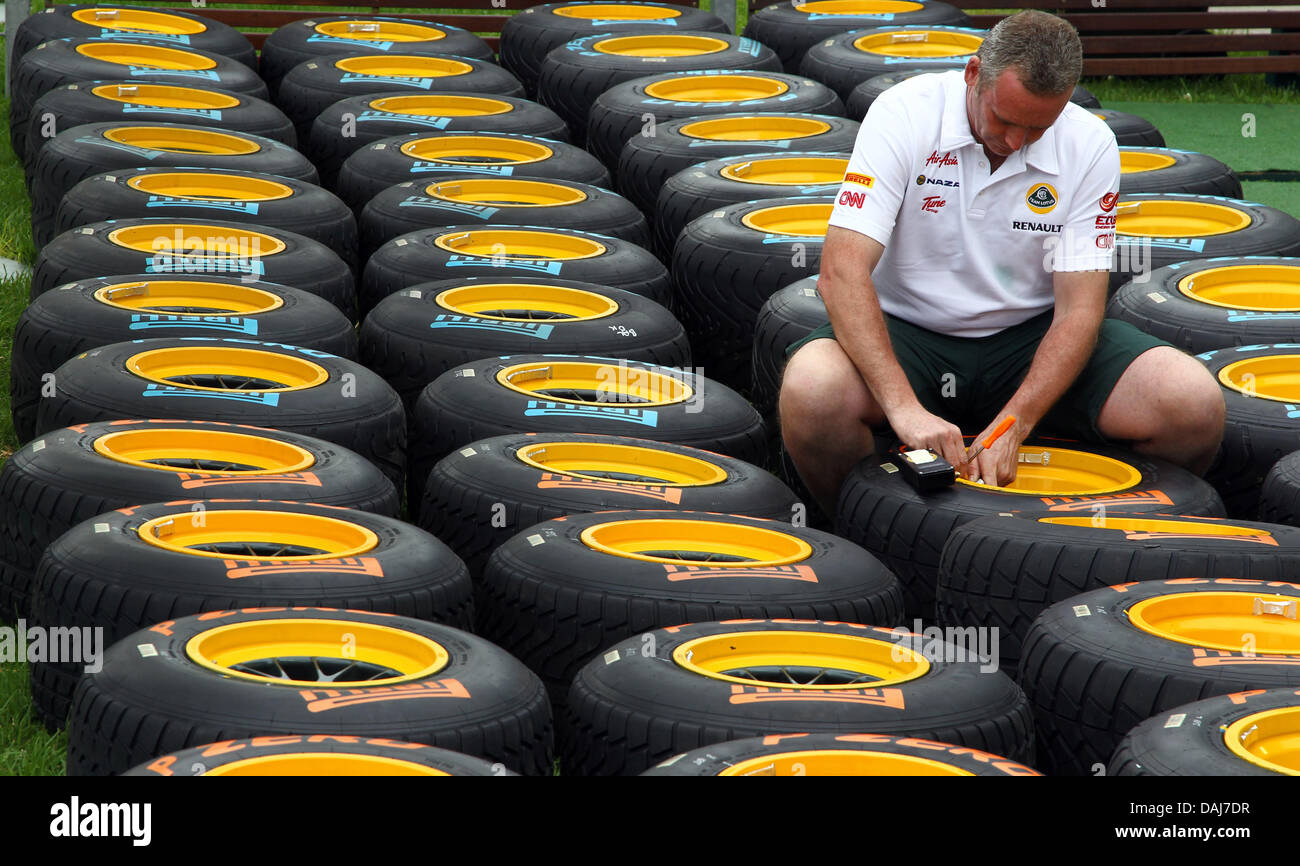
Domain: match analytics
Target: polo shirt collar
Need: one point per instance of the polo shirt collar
(954, 132)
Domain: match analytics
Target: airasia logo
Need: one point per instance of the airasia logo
(932, 204)
(936, 159)
(1108, 201)
(853, 199)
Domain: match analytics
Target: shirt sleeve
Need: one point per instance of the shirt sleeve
(1087, 241)
(872, 192)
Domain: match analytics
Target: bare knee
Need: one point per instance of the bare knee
(821, 388)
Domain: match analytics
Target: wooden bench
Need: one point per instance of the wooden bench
(1145, 29)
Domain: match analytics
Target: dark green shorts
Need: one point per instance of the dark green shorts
(969, 380)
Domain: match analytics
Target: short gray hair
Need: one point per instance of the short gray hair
(1044, 49)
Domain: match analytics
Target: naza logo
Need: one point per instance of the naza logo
(853, 199)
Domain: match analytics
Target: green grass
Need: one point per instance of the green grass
(26, 748)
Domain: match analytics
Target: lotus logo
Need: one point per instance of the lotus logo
(1041, 198)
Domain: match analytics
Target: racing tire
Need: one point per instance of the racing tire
(727, 263)
(576, 73)
(85, 151)
(1162, 169)
(477, 699)
(907, 530)
(270, 385)
(1200, 306)
(1231, 735)
(77, 317)
(121, 101)
(618, 114)
(127, 570)
(67, 476)
(845, 60)
(790, 314)
(319, 754)
(371, 118)
(1279, 498)
(560, 592)
(837, 755)
(238, 196)
(1002, 571)
(478, 497)
(582, 394)
(149, 245)
(1129, 129)
(1097, 665)
(526, 38)
(415, 335)
(862, 96)
(628, 711)
(425, 256)
(375, 167)
(412, 207)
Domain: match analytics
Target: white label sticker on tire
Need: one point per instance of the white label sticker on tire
(611, 657)
(38, 445)
(535, 540)
(1176, 720)
(102, 527)
(1156, 296)
(1082, 610)
(467, 452)
(147, 650)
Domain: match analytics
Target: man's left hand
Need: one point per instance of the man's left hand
(997, 464)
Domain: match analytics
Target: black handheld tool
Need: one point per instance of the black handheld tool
(925, 470)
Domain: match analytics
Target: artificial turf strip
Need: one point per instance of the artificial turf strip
(1215, 129)
(1283, 196)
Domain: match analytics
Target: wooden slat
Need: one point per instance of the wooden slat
(1190, 43)
(1189, 65)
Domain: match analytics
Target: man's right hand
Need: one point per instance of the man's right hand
(917, 428)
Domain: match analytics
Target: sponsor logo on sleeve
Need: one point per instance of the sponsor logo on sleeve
(1106, 222)
(860, 179)
(1109, 200)
(853, 199)
(1106, 242)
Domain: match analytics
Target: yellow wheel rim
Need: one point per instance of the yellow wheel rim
(660, 45)
(716, 88)
(138, 21)
(519, 244)
(774, 127)
(164, 96)
(1270, 739)
(506, 191)
(187, 298)
(323, 764)
(210, 185)
(403, 66)
(175, 140)
(858, 7)
(759, 657)
(1135, 161)
(588, 383)
(220, 368)
(377, 31)
(526, 302)
(1178, 219)
(788, 171)
(831, 762)
(919, 43)
(1257, 622)
(795, 220)
(1050, 471)
(145, 56)
(476, 150)
(379, 655)
(208, 452)
(196, 240)
(277, 535)
(441, 105)
(1273, 377)
(1146, 527)
(1263, 288)
(699, 542)
(621, 464)
(612, 12)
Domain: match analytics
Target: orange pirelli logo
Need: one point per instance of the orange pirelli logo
(860, 179)
(892, 698)
(1261, 538)
(194, 482)
(777, 572)
(1087, 503)
(550, 481)
(324, 700)
(237, 569)
(1203, 658)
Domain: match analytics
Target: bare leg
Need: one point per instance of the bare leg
(826, 417)
(1168, 405)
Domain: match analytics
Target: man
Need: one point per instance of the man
(965, 273)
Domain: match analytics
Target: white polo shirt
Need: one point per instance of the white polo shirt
(968, 253)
